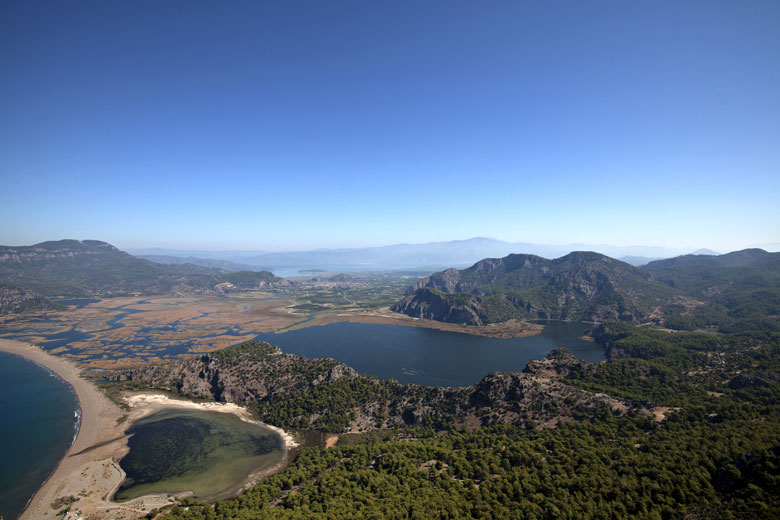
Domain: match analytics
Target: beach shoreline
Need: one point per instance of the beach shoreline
(88, 475)
(151, 402)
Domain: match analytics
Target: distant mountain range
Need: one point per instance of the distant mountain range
(213, 263)
(29, 275)
(434, 254)
(195, 253)
(591, 286)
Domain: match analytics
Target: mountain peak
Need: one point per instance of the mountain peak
(582, 257)
(70, 243)
(581, 285)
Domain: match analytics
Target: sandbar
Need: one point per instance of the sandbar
(505, 330)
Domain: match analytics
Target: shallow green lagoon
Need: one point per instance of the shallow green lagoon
(208, 453)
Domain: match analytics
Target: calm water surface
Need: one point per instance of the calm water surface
(208, 453)
(37, 426)
(428, 356)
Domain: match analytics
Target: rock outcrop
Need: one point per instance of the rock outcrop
(432, 304)
(291, 391)
(558, 364)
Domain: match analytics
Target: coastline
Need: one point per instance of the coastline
(95, 441)
(150, 402)
(88, 474)
(75, 423)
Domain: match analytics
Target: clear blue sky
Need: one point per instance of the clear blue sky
(302, 124)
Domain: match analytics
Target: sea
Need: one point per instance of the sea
(39, 420)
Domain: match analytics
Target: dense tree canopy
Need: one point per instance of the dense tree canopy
(710, 452)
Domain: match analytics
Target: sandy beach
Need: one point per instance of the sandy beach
(88, 475)
(147, 403)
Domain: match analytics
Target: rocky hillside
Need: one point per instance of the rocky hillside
(92, 268)
(578, 286)
(15, 299)
(291, 391)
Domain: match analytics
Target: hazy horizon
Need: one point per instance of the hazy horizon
(194, 248)
(272, 126)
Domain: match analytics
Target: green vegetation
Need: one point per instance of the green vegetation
(747, 270)
(74, 268)
(252, 350)
(736, 310)
(310, 307)
(379, 289)
(615, 468)
(77, 269)
(715, 455)
(691, 428)
(333, 403)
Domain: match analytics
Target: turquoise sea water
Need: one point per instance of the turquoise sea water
(38, 423)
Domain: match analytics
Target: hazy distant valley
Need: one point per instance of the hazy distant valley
(434, 254)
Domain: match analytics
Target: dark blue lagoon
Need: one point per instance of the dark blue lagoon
(428, 356)
(38, 423)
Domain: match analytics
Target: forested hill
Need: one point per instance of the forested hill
(705, 275)
(74, 268)
(735, 292)
(710, 447)
(690, 292)
(578, 286)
